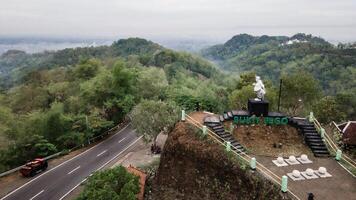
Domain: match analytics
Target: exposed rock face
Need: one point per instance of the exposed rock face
(194, 168)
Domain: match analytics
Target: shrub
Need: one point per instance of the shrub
(111, 184)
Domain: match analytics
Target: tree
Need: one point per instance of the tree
(153, 117)
(151, 83)
(6, 121)
(97, 123)
(346, 103)
(98, 89)
(87, 69)
(239, 98)
(111, 184)
(123, 79)
(297, 88)
(246, 79)
(327, 110)
(128, 191)
(26, 98)
(25, 149)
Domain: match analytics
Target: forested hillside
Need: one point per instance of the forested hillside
(57, 100)
(271, 56)
(54, 101)
(275, 57)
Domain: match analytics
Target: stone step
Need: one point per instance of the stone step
(314, 140)
(312, 137)
(230, 138)
(311, 134)
(316, 144)
(238, 146)
(235, 142)
(318, 147)
(240, 150)
(218, 127)
(321, 153)
(212, 125)
(219, 130)
(224, 135)
(309, 128)
(309, 131)
(305, 126)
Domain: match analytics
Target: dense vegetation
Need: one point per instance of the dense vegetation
(111, 184)
(277, 57)
(63, 98)
(54, 101)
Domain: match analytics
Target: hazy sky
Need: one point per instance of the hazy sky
(218, 19)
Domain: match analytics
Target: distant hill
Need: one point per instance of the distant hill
(269, 56)
(15, 64)
(237, 44)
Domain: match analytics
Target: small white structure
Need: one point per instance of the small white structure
(292, 160)
(322, 172)
(309, 174)
(259, 88)
(304, 159)
(280, 162)
(295, 175)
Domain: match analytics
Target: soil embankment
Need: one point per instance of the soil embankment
(195, 168)
(271, 140)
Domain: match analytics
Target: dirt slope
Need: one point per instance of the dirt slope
(194, 168)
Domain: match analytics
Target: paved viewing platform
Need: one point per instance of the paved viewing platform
(342, 185)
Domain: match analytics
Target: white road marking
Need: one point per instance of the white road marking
(101, 153)
(74, 170)
(37, 194)
(122, 139)
(60, 165)
(101, 167)
(71, 190)
(119, 153)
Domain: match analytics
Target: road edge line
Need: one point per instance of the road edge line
(71, 190)
(7, 195)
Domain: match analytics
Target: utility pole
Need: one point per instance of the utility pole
(279, 95)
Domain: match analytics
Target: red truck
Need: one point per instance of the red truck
(32, 168)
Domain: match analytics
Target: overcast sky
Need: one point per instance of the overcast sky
(217, 19)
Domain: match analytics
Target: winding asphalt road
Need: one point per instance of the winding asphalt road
(58, 182)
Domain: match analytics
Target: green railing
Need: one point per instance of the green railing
(334, 149)
(251, 161)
